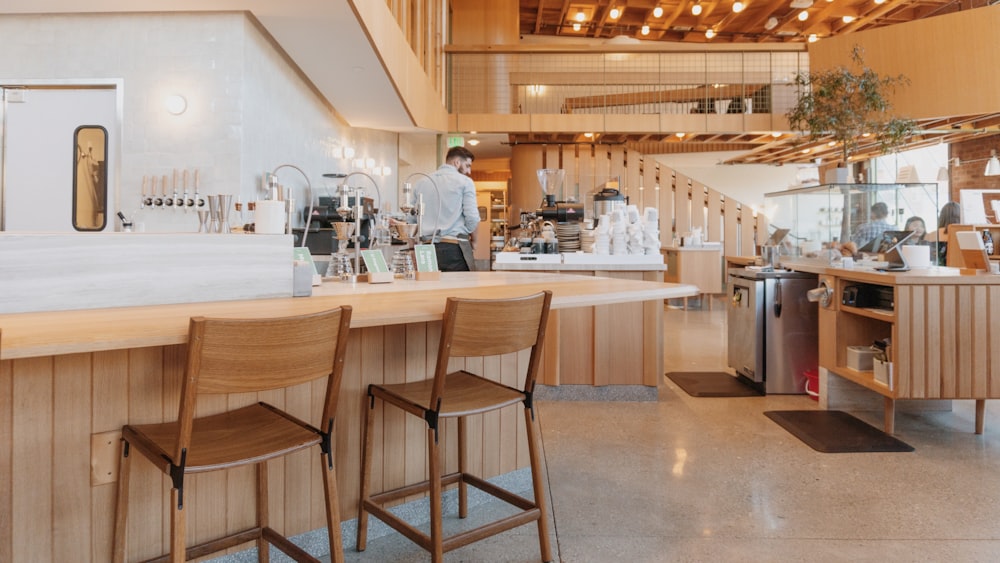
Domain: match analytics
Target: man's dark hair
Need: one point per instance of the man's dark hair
(880, 210)
(461, 152)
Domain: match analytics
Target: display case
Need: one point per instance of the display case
(821, 216)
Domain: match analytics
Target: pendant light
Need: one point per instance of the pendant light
(696, 8)
(992, 165)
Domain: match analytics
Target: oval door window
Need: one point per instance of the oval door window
(90, 178)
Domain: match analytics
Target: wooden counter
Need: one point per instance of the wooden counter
(694, 265)
(942, 329)
(70, 380)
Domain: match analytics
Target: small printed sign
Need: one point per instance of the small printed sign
(426, 258)
(300, 253)
(374, 261)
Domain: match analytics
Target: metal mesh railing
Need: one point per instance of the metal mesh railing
(623, 83)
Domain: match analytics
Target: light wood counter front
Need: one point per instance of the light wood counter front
(942, 327)
(70, 380)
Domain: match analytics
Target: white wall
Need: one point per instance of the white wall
(248, 109)
(746, 183)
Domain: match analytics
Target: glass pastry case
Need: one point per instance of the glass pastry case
(822, 217)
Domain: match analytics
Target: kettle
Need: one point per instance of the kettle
(606, 201)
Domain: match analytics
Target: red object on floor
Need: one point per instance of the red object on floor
(812, 383)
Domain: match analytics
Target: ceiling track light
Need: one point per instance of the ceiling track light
(709, 33)
(644, 30)
(803, 16)
(737, 6)
(696, 8)
(658, 11)
(615, 13)
(580, 16)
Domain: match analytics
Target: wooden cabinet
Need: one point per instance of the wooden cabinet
(955, 255)
(697, 266)
(494, 210)
(940, 325)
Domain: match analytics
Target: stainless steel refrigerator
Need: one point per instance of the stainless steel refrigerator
(772, 329)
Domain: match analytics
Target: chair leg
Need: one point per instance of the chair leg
(535, 460)
(121, 507)
(332, 510)
(434, 475)
(263, 514)
(178, 529)
(366, 469)
(463, 489)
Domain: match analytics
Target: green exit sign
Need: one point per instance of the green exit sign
(456, 142)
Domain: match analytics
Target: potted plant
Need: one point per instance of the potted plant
(844, 104)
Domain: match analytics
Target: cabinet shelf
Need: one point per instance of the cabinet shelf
(877, 314)
(864, 378)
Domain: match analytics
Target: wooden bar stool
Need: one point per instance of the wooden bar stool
(471, 328)
(243, 356)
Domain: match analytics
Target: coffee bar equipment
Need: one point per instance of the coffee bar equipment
(567, 210)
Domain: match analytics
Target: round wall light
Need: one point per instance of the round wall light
(176, 104)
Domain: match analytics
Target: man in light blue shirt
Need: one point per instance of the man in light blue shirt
(450, 211)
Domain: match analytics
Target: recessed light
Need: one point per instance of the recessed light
(615, 13)
(657, 11)
(473, 142)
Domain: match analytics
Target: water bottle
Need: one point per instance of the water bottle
(988, 242)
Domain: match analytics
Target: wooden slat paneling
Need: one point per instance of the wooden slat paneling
(682, 204)
(931, 333)
(949, 340)
(31, 462)
(71, 527)
(6, 457)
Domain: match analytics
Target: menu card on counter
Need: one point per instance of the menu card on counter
(426, 258)
(375, 261)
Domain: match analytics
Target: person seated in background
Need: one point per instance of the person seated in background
(919, 228)
(867, 232)
(950, 214)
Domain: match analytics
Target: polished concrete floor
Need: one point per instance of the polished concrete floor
(703, 479)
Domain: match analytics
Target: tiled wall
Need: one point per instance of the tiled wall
(248, 109)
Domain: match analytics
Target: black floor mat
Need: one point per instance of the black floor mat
(836, 432)
(711, 384)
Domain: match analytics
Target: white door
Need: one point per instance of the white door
(49, 146)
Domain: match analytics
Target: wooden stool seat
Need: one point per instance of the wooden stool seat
(471, 328)
(227, 356)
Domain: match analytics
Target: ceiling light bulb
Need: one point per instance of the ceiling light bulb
(588, 135)
(803, 16)
(813, 38)
(645, 30)
(696, 9)
(679, 134)
(879, 2)
(615, 13)
(771, 23)
(806, 151)
(775, 134)
(473, 142)
(709, 33)
(847, 19)
(657, 11)
(737, 6)
(576, 26)
(580, 16)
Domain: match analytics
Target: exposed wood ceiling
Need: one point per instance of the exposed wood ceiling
(754, 24)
